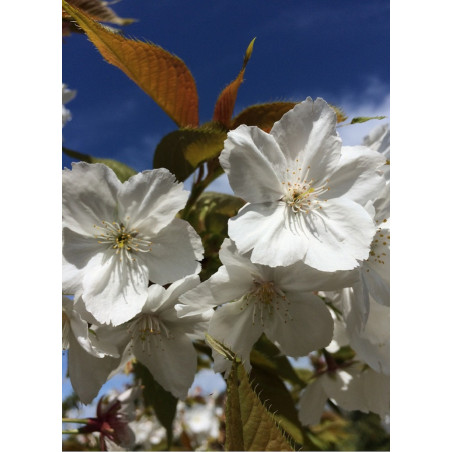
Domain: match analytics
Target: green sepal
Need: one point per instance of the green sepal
(360, 119)
(183, 150)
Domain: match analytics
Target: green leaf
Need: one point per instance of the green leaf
(163, 402)
(183, 150)
(122, 171)
(266, 356)
(233, 412)
(249, 424)
(160, 74)
(209, 216)
(211, 206)
(360, 119)
(273, 393)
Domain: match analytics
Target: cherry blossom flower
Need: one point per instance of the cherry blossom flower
(379, 140)
(371, 342)
(352, 387)
(162, 341)
(305, 193)
(91, 359)
(276, 301)
(118, 237)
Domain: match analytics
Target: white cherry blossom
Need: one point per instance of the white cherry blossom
(118, 237)
(91, 359)
(352, 388)
(162, 341)
(276, 301)
(305, 193)
(370, 341)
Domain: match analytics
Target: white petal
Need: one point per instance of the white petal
(89, 196)
(308, 133)
(88, 373)
(301, 325)
(339, 235)
(230, 257)
(312, 403)
(175, 291)
(356, 175)
(77, 252)
(372, 345)
(300, 277)
(262, 228)
(114, 291)
(376, 391)
(175, 252)
(345, 388)
(253, 162)
(233, 325)
(151, 199)
(227, 284)
(172, 362)
(379, 140)
(377, 287)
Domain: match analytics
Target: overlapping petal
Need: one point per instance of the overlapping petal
(151, 199)
(357, 175)
(89, 196)
(172, 362)
(308, 326)
(254, 164)
(175, 253)
(308, 133)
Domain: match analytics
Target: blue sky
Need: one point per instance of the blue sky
(335, 50)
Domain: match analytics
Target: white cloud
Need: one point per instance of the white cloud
(374, 101)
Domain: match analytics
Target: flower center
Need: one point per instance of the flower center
(144, 329)
(301, 193)
(267, 300)
(122, 239)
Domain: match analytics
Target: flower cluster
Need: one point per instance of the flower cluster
(121, 243)
(306, 263)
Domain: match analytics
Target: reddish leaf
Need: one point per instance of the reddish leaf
(158, 73)
(226, 100)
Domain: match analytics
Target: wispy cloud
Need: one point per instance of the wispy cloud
(373, 101)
